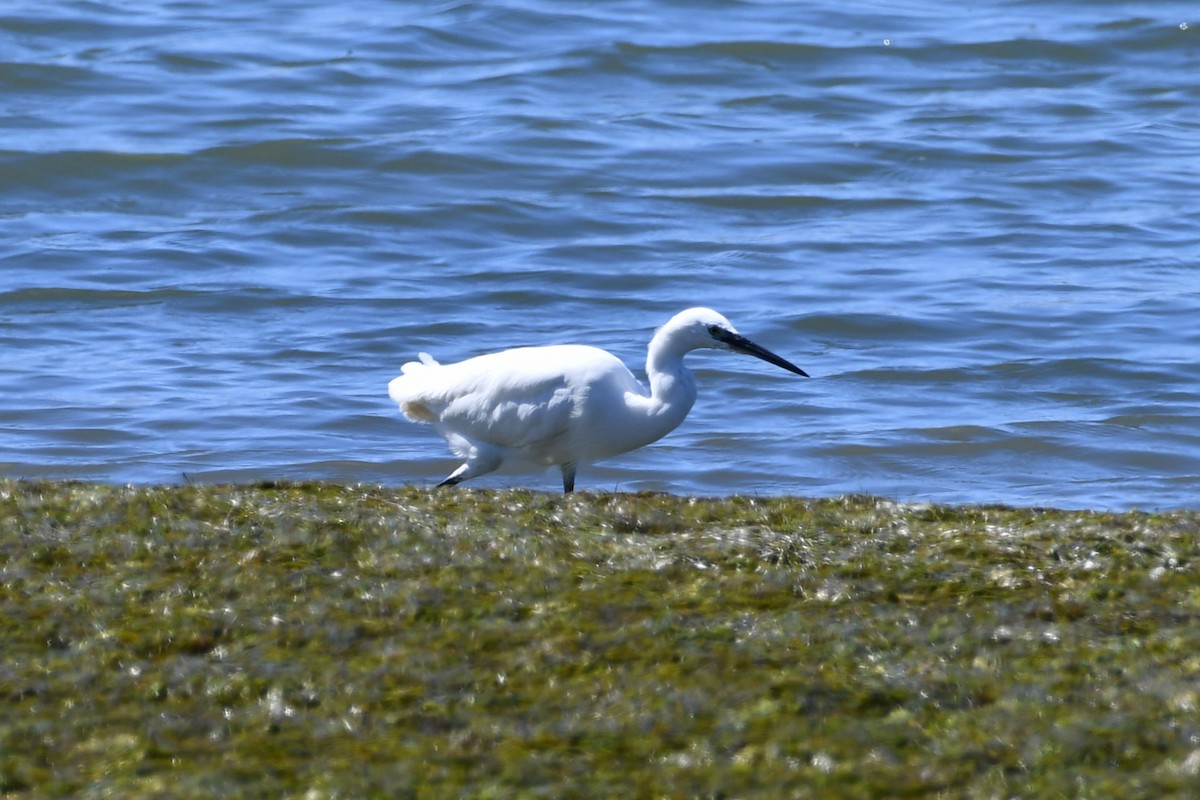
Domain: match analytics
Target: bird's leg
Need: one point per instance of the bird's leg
(568, 472)
(482, 460)
(458, 476)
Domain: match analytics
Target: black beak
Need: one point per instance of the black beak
(740, 344)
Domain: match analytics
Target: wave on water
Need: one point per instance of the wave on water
(227, 226)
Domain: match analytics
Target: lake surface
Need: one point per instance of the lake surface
(977, 226)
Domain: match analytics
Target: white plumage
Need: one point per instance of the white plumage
(563, 405)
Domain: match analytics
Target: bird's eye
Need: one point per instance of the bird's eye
(713, 330)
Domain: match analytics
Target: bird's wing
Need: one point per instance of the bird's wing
(515, 398)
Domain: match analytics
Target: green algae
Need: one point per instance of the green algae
(312, 640)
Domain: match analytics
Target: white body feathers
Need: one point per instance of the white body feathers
(562, 405)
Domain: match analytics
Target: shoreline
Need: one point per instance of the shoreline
(326, 640)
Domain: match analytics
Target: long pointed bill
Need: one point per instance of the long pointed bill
(741, 344)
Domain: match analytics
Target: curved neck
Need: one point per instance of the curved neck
(650, 417)
(672, 387)
(665, 354)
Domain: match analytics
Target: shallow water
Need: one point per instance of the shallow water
(226, 227)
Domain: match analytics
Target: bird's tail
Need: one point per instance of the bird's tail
(405, 390)
(426, 360)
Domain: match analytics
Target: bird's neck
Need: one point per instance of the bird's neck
(672, 387)
(647, 418)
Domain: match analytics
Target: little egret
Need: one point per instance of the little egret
(563, 405)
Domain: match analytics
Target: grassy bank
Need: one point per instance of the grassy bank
(320, 641)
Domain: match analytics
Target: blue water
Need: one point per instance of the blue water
(226, 226)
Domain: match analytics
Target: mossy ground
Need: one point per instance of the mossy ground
(311, 640)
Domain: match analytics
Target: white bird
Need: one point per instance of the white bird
(563, 405)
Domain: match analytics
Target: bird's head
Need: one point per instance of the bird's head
(705, 328)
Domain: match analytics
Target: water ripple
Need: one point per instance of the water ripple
(227, 226)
